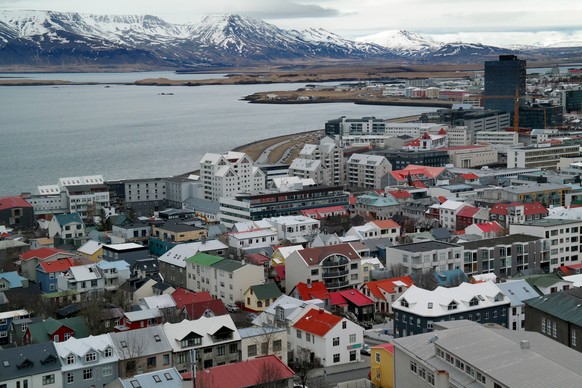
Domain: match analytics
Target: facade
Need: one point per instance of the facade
(386, 291)
(263, 341)
(564, 239)
(129, 252)
(30, 259)
(254, 207)
(86, 362)
(180, 231)
(517, 291)
(544, 156)
(224, 175)
(448, 213)
(417, 310)
(367, 171)
(337, 266)
(81, 280)
(295, 229)
(31, 366)
(115, 273)
(376, 206)
(503, 79)
(213, 340)
(471, 156)
(424, 256)
(326, 339)
(382, 365)
(548, 194)
(330, 169)
(401, 158)
(463, 354)
(67, 226)
(388, 229)
(16, 212)
(143, 196)
(260, 296)
(517, 213)
(506, 256)
(508, 138)
(48, 272)
(141, 351)
(557, 316)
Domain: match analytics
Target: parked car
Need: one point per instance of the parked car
(232, 308)
(366, 350)
(251, 317)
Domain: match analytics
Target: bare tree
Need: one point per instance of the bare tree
(398, 270)
(425, 279)
(305, 369)
(269, 375)
(131, 346)
(265, 341)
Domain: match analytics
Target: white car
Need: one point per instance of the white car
(232, 308)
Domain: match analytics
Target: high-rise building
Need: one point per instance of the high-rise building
(502, 78)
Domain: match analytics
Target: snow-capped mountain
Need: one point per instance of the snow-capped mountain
(463, 51)
(405, 43)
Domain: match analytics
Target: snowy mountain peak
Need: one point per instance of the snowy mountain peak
(403, 42)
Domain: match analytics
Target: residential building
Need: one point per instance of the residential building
(548, 194)
(557, 316)
(382, 365)
(47, 273)
(448, 213)
(252, 239)
(249, 373)
(353, 303)
(31, 366)
(506, 256)
(386, 291)
(337, 266)
(546, 284)
(144, 196)
(274, 203)
(517, 212)
(564, 237)
(331, 164)
(141, 351)
(417, 310)
(503, 80)
(325, 212)
(6, 319)
(463, 354)
(388, 229)
(163, 378)
(214, 341)
(260, 296)
(92, 250)
(485, 230)
(180, 231)
(517, 291)
(80, 281)
(295, 229)
(134, 320)
(376, 206)
(115, 273)
(87, 362)
(28, 260)
(224, 175)
(263, 341)
(50, 330)
(425, 255)
(224, 278)
(326, 339)
(368, 265)
(172, 264)
(128, 252)
(16, 212)
(367, 171)
(399, 159)
(67, 226)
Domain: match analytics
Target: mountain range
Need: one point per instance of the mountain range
(46, 38)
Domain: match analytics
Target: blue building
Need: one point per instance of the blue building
(47, 273)
(6, 319)
(418, 309)
(502, 78)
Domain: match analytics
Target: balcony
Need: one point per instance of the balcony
(336, 285)
(334, 273)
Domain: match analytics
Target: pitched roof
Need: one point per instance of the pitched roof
(12, 202)
(42, 331)
(314, 290)
(317, 321)
(490, 227)
(468, 211)
(41, 358)
(564, 305)
(244, 374)
(400, 194)
(266, 291)
(528, 208)
(42, 253)
(517, 291)
(388, 285)
(386, 224)
(64, 219)
(152, 340)
(197, 309)
(183, 297)
(313, 256)
(59, 265)
(13, 278)
(352, 296)
(204, 259)
(389, 347)
(164, 378)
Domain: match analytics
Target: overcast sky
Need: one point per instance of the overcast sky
(484, 21)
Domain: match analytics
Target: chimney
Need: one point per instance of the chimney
(524, 344)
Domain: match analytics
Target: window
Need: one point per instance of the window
(265, 348)
(378, 358)
(307, 337)
(90, 357)
(166, 359)
(336, 341)
(252, 350)
(220, 350)
(70, 378)
(344, 324)
(430, 378)
(108, 352)
(151, 362)
(232, 348)
(352, 338)
(352, 355)
(157, 378)
(87, 374)
(336, 358)
(48, 379)
(481, 377)
(107, 370)
(413, 367)
(422, 373)
(404, 303)
(555, 330)
(474, 302)
(299, 334)
(452, 306)
(573, 338)
(70, 359)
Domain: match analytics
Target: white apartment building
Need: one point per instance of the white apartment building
(424, 256)
(448, 213)
(224, 175)
(564, 236)
(81, 280)
(85, 195)
(330, 169)
(497, 137)
(542, 156)
(367, 171)
(295, 229)
(251, 239)
(459, 136)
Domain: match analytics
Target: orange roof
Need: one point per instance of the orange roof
(400, 194)
(388, 285)
(41, 253)
(317, 322)
(386, 224)
(60, 265)
(470, 176)
(315, 290)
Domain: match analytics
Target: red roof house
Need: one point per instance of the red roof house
(485, 230)
(317, 322)
(384, 292)
(209, 308)
(26, 265)
(311, 290)
(353, 301)
(183, 297)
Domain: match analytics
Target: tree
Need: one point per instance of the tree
(398, 270)
(269, 374)
(305, 369)
(265, 341)
(104, 221)
(131, 346)
(425, 279)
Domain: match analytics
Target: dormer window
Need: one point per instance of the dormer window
(453, 305)
(474, 302)
(430, 305)
(108, 352)
(404, 303)
(499, 297)
(91, 357)
(70, 359)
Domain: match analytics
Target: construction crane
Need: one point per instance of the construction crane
(515, 106)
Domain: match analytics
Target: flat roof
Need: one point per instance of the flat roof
(506, 240)
(425, 246)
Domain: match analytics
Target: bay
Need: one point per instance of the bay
(127, 131)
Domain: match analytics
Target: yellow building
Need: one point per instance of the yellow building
(259, 297)
(91, 250)
(178, 231)
(382, 365)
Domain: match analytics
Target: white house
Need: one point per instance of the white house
(81, 280)
(448, 213)
(325, 338)
(86, 362)
(296, 229)
(251, 239)
(66, 226)
(376, 229)
(115, 273)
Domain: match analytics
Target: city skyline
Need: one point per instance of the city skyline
(493, 22)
